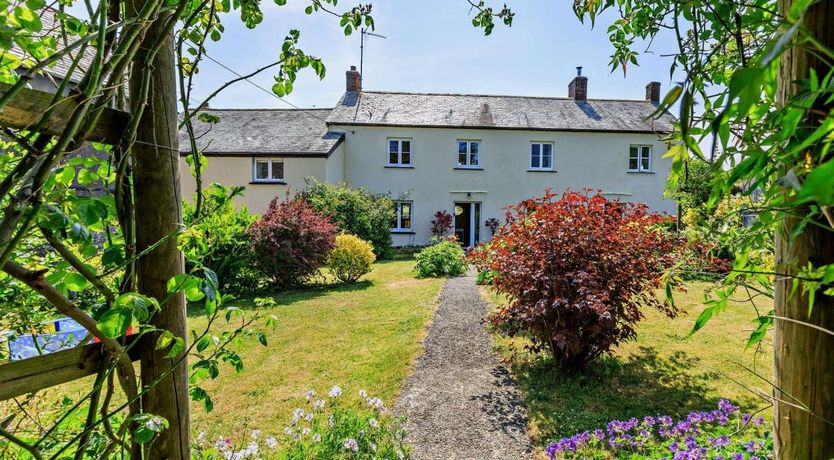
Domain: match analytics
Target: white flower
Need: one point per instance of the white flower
(216, 340)
(271, 442)
(317, 437)
(351, 444)
(373, 447)
(335, 392)
(400, 454)
(376, 403)
(287, 431)
(309, 417)
(255, 434)
(222, 444)
(310, 394)
(201, 436)
(305, 431)
(373, 422)
(331, 421)
(319, 404)
(251, 449)
(363, 394)
(296, 415)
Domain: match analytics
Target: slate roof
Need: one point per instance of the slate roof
(286, 132)
(51, 26)
(377, 108)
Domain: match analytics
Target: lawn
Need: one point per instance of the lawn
(664, 371)
(362, 336)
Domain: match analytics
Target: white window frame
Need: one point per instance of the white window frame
(541, 145)
(269, 179)
(399, 221)
(468, 164)
(399, 163)
(641, 154)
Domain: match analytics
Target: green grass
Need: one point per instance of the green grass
(362, 336)
(664, 371)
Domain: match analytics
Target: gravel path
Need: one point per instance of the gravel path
(461, 402)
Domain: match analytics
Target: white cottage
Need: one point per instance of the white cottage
(470, 155)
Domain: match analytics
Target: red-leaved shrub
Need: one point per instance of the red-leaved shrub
(577, 272)
(441, 223)
(291, 241)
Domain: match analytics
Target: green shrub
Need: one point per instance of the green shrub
(355, 211)
(351, 258)
(485, 277)
(442, 259)
(222, 246)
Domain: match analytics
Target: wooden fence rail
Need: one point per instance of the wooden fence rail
(34, 374)
(30, 375)
(28, 107)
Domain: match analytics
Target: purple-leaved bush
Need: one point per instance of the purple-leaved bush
(721, 434)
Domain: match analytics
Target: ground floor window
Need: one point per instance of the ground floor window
(402, 219)
(267, 170)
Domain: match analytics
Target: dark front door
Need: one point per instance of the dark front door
(463, 219)
(467, 223)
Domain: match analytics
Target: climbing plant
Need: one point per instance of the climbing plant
(111, 261)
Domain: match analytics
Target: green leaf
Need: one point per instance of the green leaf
(65, 175)
(818, 184)
(165, 339)
(75, 282)
(177, 348)
(188, 284)
(702, 320)
(115, 322)
(262, 338)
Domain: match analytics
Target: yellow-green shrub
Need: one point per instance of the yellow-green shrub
(351, 258)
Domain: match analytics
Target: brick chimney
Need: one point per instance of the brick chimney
(578, 87)
(353, 79)
(653, 92)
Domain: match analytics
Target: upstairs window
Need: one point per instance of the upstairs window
(402, 219)
(541, 155)
(399, 152)
(267, 170)
(468, 154)
(640, 158)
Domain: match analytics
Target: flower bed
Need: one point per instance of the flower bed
(722, 434)
(327, 429)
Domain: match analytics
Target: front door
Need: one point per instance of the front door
(467, 223)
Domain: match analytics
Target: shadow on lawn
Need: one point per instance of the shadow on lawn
(612, 388)
(309, 291)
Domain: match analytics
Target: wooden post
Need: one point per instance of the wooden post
(155, 156)
(804, 357)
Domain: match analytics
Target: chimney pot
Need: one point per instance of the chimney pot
(578, 87)
(353, 79)
(653, 92)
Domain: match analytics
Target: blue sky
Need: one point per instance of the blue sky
(431, 46)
